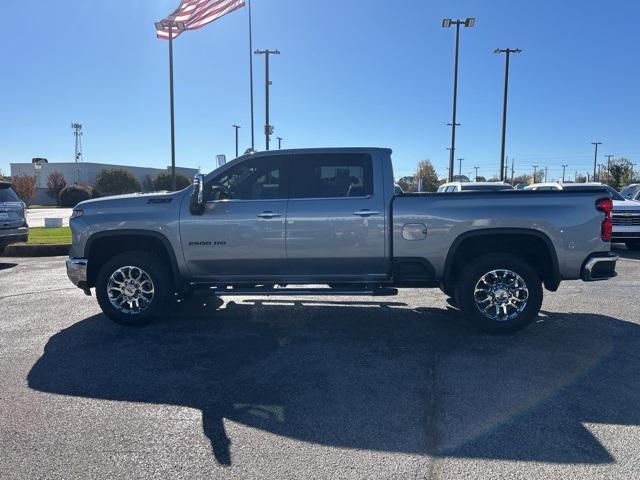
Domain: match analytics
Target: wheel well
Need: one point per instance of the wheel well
(103, 248)
(534, 249)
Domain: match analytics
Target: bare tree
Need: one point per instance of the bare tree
(55, 184)
(25, 187)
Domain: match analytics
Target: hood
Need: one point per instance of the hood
(626, 206)
(132, 199)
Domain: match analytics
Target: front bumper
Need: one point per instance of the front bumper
(601, 266)
(77, 272)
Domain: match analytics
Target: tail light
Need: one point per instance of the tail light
(606, 230)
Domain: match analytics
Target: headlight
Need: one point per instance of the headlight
(77, 213)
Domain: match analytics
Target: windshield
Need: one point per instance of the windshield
(629, 191)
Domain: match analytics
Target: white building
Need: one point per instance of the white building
(85, 172)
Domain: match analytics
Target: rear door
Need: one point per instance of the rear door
(335, 218)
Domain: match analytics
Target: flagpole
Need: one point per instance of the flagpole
(251, 74)
(173, 132)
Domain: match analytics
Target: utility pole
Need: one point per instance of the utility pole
(595, 159)
(564, 166)
(237, 127)
(279, 143)
(446, 23)
(512, 170)
(268, 128)
(608, 164)
(476, 173)
(507, 52)
(535, 172)
(546, 173)
(460, 166)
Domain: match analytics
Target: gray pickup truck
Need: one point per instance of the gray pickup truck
(273, 223)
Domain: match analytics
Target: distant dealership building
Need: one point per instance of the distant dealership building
(84, 172)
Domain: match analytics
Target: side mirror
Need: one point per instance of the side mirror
(197, 204)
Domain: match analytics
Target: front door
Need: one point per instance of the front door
(335, 218)
(242, 230)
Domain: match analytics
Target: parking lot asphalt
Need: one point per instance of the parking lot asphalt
(356, 388)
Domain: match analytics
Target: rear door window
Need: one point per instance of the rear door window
(331, 175)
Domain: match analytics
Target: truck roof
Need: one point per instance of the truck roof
(318, 150)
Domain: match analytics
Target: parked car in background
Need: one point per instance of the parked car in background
(283, 222)
(13, 222)
(473, 187)
(625, 216)
(631, 192)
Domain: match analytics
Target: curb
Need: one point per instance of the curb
(33, 250)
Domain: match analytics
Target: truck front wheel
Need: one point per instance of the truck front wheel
(132, 288)
(499, 293)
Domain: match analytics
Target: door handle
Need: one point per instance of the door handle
(269, 215)
(366, 213)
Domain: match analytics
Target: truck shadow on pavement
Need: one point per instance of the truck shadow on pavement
(366, 375)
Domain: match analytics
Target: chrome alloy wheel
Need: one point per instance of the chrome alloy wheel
(501, 295)
(130, 290)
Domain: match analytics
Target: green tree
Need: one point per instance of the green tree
(480, 178)
(407, 183)
(581, 179)
(619, 173)
(116, 182)
(428, 175)
(163, 182)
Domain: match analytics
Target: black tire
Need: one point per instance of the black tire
(633, 244)
(157, 272)
(516, 320)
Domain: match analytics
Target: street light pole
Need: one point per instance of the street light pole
(279, 143)
(236, 127)
(268, 128)
(564, 166)
(595, 159)
(446, 23)
(507, 52)
(460, 167)
(535, 172)
(476, 173)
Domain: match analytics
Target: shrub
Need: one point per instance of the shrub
(25, 187)
(71, 195)
(163, 182)
(55, 184)
(116, 182)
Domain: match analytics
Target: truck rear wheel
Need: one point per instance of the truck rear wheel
(499, 293)
(132, 288)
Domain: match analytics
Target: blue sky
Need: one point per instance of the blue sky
(351, 73)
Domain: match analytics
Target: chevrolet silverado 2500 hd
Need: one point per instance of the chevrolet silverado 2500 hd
(271, 223)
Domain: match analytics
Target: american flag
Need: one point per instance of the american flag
(196, 14)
